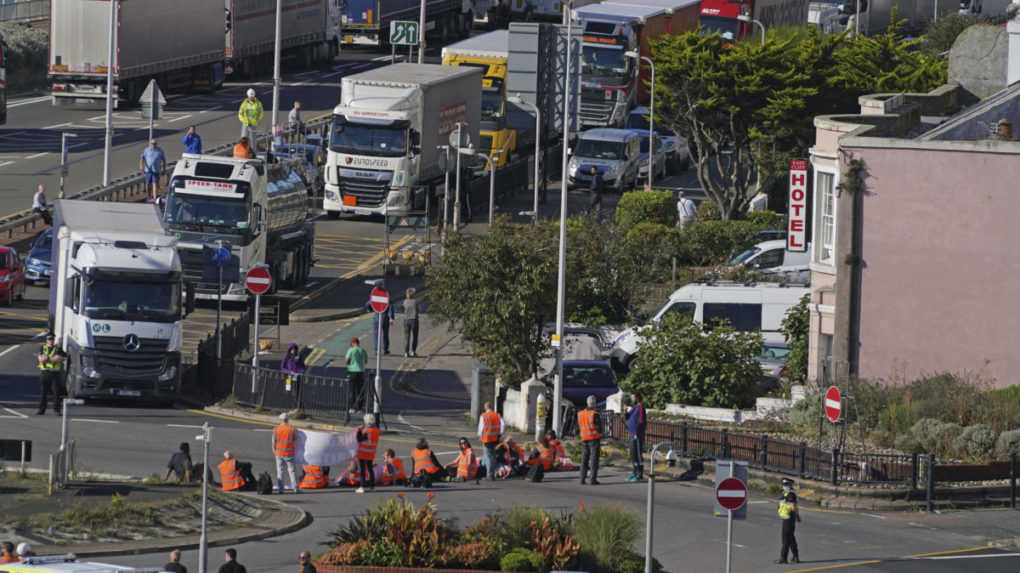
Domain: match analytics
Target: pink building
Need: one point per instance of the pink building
(916, 239)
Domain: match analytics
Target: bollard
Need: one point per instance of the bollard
(540, 414)
(930, 481)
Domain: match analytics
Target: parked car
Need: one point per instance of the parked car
(12, 276)
(775, 353)
(39, 261)
(612, 152)
(772, 258)
(583, 378)
(579, 343)
(658, 161)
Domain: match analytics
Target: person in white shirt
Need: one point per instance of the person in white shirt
(685, 210)
(759, 202)
(294, 122)
(39, 205)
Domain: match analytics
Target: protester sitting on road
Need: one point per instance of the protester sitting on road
(235, 475)
(180, 464)
(351, 476)
(7, 553)
(465, 467)
(562, 461)
(426, 465)
(511, 458)
(392, 469)
(544, 453)
(231, 565)
(316, 477)
(174, 566)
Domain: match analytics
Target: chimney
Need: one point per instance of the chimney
(1013, 28)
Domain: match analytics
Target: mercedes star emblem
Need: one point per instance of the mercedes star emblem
(131, 343)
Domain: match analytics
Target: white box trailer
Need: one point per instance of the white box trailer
(251, 29)
(179, 43)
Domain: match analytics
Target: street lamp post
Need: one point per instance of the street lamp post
(203, 543)
(492, 177)
(561, 280)
(517, 99)
(421, 34)
(108, 144)
(276, 73)
(63, 159)
(651, 115)
(748, 19)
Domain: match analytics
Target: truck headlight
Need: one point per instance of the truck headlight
(34, 261)
(572, 167)
(395, 199)
(169, 374)
(331, 195)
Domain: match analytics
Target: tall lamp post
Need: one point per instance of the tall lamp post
(517, 99)
(750, 20)
(108, 144)
(203, 543)
(276, 73)
(651, 114)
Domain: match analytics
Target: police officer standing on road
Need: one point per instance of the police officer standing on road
(51, 358)
(790, 516)
(250, 114)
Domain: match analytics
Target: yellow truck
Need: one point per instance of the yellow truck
(491, 52)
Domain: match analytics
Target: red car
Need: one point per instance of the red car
(12, 276)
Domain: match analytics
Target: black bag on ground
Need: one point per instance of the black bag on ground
(421, 479)
(535, 473)
(265, 484)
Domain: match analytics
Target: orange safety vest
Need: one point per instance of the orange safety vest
(467, 464)
(546, 456)
(9, 559)
(354, 476)
(423, 461)
(229, 475)
(490, 429)
(388, 476)
(558, 448)
(314, 478)
(586, 421)
(366, 447)
(508, 458)
(242, 151)
(284, 446)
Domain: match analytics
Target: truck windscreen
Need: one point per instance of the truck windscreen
(389, 140)
(132, 299)
(492, 104)
(190, 205)
(726, 27)
(607, 63)
(598, 149)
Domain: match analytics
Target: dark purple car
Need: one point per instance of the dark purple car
(583, 378)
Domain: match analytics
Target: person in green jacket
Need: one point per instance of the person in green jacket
(250, 115)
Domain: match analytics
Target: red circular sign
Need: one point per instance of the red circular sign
(380, 299)
(258, 280)
(731, 493)
(833, 404)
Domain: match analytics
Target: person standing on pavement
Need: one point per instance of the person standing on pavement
(192, 142)
(284, 437)
(305, 562)
(231, 565)
(174, 565)
(490, 428)
(355, 359)
(410, 324)
(685, 211)
(596, 188)
(368, 441)
(590, 425)
(40, 206)
(294, 122)
(250, 114)
(789, 515)
(152, 164)
(383, 319)
(51, 359)
(636, 422)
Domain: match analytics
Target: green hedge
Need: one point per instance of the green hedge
(712, 242)
(645, 207)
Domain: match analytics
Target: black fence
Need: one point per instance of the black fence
(208, 379)
(318, 396)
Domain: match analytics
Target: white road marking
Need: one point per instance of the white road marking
(18, 415)
(446, 453)
(306, 73)
(179, 118)
(57, 125)
(182, 426)
(1, 165)
(874, 515)
(95, 421)
(381, 58)
(403, 421)
(28, 101)
(37, 155)
(759, 501)
(13, 348)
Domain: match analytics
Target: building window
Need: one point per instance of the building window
(826, 229)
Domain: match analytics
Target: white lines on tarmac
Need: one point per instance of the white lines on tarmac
(34, 155)
(58, 125)
(16, 346)
(5, 163)
(405, 422)
(179, 118)
(183, 426)
(28, 101)
(14, 414)
(95, 421)
(874, 515)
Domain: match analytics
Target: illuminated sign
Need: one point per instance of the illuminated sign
(796, 234)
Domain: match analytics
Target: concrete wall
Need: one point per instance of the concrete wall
(977, 60)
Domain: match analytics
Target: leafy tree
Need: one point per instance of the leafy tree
(942, 33)
(747, 108)
(685, 362)
(601, 274)
(795, 328)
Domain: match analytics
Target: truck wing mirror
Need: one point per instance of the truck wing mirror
(189, 298)
(415, 138)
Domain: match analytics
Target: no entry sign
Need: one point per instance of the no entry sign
(833, 404)
(731, 493)
(258, 280)
(380, 299)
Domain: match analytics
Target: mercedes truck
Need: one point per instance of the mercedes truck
(383, 155)
(117, 299)
(257, 210)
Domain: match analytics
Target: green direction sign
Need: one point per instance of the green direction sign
(404, 33)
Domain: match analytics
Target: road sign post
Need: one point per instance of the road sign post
(152, 101)
(63, 160)
(220, 257)
(379, 299)
(403, 33)
(258, 280)
(731, 493)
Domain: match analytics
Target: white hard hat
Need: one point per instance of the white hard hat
(283, 416)
(24, 549)
(251, 92)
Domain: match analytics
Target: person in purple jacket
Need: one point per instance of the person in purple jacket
(636, 421)
(292, 363)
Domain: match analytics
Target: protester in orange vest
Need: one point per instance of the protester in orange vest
(509, 454)
(425, 463)
(314, 478)
(562, 461)
(490, 428)
(351, 476)
(393, 469)
(368, 441)
(544, 454)
(590, 424)
(243, 150)
(284, 437)
(465, 467)
(7, 553)
(233, 474)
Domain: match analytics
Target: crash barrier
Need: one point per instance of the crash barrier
(318, 396)
(25, 10)
(62, 466)
(131, 187)
(205, 377)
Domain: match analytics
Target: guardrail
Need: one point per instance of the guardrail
(25, 10)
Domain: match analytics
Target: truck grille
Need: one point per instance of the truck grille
(191, 265)
(113, 360)
(595, 112)
(370, 191)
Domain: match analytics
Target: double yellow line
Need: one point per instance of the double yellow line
(874, 561)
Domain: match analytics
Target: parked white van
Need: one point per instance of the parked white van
(747, 307)
(772, 258)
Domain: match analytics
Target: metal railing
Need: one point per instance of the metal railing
(319, 396)
(25, 10)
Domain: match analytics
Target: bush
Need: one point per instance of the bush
(635, 563)
(645, 207)
(27, 56)
(713, 242)
(383, 553)
(651, 247)
(805, 414)
(764, 218)
(942, 33)
(606, 535)
(795, 328)
(346, 553)
(1008, 443)
(976, 442)
(471, 555)
(935, 436)
(708, 210)
(521, 559)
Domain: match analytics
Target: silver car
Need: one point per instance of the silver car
(658, 160)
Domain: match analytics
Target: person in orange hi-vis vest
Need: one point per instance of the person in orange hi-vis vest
(590, 424)
(368, 441)
(545, 454)
(393, 469)
(465, 467)
(284, 439)
(230, 473)
(243, 150)
(425, 463)
(314, 478)
(490, 428)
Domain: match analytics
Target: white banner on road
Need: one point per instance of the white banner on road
(326, 448)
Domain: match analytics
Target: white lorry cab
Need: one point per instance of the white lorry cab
(69, 564)
(747, 307)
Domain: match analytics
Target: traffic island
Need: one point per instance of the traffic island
(94, 519)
